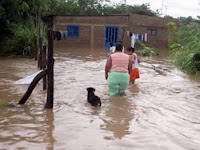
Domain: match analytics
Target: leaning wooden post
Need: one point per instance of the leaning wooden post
(50, 65)
(44, 67)
(32, 86)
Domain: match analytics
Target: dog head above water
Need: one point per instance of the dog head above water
(90, 89)
(92, 98)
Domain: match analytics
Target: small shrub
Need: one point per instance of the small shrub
(146, 50)
(21, 43)
(187, 52)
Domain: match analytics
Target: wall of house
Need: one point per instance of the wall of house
(155, 27)
(91, 28)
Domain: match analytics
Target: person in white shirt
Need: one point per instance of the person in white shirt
(135, 67)
(133, 39)
(112, 47)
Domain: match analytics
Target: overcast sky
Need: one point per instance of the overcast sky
(175, 8)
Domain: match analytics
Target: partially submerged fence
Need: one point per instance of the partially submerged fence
(47, 66)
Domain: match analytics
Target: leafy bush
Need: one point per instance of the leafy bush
(187, 52)
(21, 43)
(146, 50)
(172, 33)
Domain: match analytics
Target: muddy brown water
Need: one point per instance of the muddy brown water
(160, 112)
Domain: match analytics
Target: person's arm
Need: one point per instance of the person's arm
(107, 67)
(138, 58)
(130, 63)
(132, 58)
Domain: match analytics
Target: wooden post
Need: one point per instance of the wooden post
(35, 38)
(44, 67)
(35, 47)
(40, 53)
(40, 41)
(50, 73)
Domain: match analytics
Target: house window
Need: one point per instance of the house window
(152, 31)
(73, 30)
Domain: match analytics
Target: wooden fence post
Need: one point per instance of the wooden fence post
(44, 67)
(40, 54)
(50, 73)
(35, 47)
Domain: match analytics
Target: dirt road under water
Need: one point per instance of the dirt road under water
(160, 112)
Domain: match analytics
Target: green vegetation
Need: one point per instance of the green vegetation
(189, 20)
(20, 20)
(172, 33)
(185, 48)
(17, 26)
(146, 50)
(21, 43)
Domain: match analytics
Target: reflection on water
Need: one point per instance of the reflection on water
(160, 112)
(24, 127)
(50, 128)
(118, 114)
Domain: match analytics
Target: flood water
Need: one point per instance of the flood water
(160, 112)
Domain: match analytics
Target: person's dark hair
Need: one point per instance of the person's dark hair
(131, 49)
(130, 34)
(119, 47)
(111, 44)
(120, 42)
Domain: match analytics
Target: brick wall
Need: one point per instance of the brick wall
(112, 20)
(86, 25)
(149, 24)
(92, 29)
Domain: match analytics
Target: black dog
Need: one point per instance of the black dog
(93, 99)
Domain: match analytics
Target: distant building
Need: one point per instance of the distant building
(99, 31)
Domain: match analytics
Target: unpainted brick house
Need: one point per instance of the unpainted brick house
(99, 31)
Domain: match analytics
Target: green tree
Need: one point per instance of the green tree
(65, 8)
(167, 16)
(17, 20)
(186, 20)
(144, 10)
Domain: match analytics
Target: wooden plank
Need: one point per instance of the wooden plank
(32, 86)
